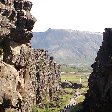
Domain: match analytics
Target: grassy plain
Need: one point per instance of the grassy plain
(76, 79)
(65, 98)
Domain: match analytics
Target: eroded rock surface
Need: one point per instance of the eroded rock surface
(99, 95)
(48, 77)
(28, 77)
(17, 59)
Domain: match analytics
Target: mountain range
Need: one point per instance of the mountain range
(72, 47)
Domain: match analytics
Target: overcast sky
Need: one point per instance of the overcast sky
(85, 15)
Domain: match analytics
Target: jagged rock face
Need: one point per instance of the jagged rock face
(9, 78)
(18, 79)
(99, 95)
(27, 77)
(15, 19)
(48, 77)
(17, 59)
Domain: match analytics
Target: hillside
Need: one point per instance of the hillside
(71, 47)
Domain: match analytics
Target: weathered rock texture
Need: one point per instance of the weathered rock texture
(99, 95)
(17, 67)
(48, 77)
(27, 76)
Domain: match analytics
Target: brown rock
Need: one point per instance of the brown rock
(27, 76)
(48, 77)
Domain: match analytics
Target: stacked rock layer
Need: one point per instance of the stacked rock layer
(99, 95)
(17, 68)
(48, 77)
(24, 72)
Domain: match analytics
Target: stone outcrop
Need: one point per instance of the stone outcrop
(17, 62)
(27, 76)
(48, 78)
(99, 95)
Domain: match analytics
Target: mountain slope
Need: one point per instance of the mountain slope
(69, 46)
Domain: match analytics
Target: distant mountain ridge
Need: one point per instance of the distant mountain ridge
(71, 47)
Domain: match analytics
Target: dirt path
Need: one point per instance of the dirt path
(71, 104)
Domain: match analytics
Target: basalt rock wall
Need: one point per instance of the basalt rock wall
(17, 60)
(99, 95)
(48, 78)
(27, 76)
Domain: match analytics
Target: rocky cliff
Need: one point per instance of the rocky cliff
(48, 78)
(24, 72)
(99, 95)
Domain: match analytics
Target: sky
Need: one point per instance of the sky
(84, 15)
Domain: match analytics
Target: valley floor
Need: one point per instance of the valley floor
(70, 99)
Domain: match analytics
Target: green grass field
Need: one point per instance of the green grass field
(76, 79)
(65, 98)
